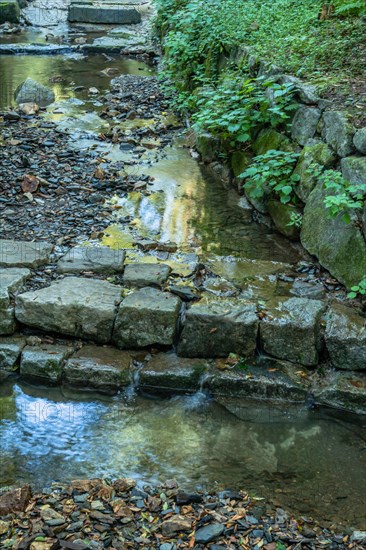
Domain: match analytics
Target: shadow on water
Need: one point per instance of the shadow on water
(306, 461)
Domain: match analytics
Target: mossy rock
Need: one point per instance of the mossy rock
(269, 140)
(239, 162)
(281, 216)
(208, 146)
(311, 156)
(9, 11)
(339, 247)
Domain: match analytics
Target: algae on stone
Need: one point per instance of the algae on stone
(311, 158)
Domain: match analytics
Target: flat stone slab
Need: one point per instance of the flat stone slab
(291, 330)
(218, 327)
(256, 381)
(75, 306)
(11, 280)
(104, 13)
(145, 274)
(102, 368)
(44, 363)
(10, 350)
(168, 372)
(342, 390)
(92, 258)
(146, 317)
(345, 338)
(24, 253)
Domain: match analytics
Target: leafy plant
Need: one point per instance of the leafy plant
(359, 289)
(295, 219)
(344, 197)
(356, 7)
(272, 173)
(236, 106)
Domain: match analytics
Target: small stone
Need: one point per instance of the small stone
(10, 350)
(4, 527)
(358, 536)
(208, 533)
(338, 132)
(145, 274)
(29, 108)
(304, 124)
(51, 517)
(174, 525)
(31, 91)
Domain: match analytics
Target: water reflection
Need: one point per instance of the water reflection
(188, 206)
(72, 70)
(301, 460)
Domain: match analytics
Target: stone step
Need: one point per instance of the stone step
(104, 13)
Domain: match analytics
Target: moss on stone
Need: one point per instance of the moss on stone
(269, 139)
(281, 216)
(9, 11)
(239, 162)
(310, 158)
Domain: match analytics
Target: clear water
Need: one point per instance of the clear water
(306, 461)
(73, 70)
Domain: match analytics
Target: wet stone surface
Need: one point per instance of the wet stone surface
(89, 258)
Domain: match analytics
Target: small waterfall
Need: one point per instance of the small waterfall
(130, 392)
(201, 398)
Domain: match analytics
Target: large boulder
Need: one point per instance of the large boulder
(345, 338)
(102, 368)
(359, 140)
(354, 169)
(75, 306)
(333, 241)
(311, 158)
(281, 215)
(291, 330)
(304, 124)
(218, 327)
(146, 317)
(9, 11)
(338, 132)
(269, 140)
(31, 91)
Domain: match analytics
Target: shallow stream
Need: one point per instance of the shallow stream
(309, 462)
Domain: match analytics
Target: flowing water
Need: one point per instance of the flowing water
(306, 461)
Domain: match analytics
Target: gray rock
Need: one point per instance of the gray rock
(312, 157)
(145, 274)
(345, 338)
(31, 91)
(92, 258)
(333, 241)
(102, 368)
(44, 362)
(342, 390)
(354, 169)
(291, 330)
(217, 327)
(75, 306)
(258, 381)
(10, 350)
(108, 13)
(208, 146)
(11, 281)
(338, 132)
(359, 140)
(24, 253)
(210, 532)
(167, 372)
(147, 317)
(308, 93)
(304, 124)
